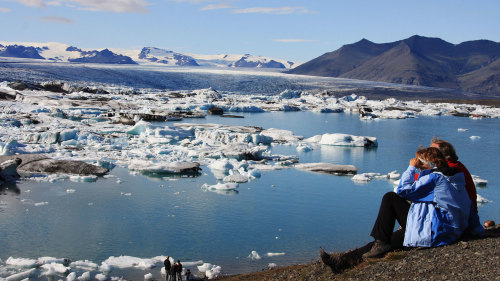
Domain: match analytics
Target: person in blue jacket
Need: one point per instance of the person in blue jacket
(432, 210)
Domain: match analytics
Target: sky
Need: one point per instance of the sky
(295, 30)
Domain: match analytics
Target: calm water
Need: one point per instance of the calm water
(288, 211)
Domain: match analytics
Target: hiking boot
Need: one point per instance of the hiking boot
(331, 260)
(378, 249)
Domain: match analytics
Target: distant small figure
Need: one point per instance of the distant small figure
(173, 272)
(178, 270)
(188, 275)
(168, 267)
(489, 223)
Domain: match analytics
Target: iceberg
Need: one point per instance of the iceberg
(343, 140)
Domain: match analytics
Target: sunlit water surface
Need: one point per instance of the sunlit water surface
(285, 211)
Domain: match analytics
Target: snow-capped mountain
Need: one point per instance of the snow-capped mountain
(59, 52)
(157, 55)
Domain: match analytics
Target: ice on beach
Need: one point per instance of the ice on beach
(148, 276)
(343, 140)
(71, 276)
(85, 264)
(211, 271)
(84, 277)
(54, 269)
(21, 275)
(130, 262)
(22, 262)
(254, 256)
(271, 265)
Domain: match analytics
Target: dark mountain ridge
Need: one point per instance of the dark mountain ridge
(469, 66)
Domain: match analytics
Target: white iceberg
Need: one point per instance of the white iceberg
(343, 140)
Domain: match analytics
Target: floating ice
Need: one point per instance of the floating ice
(479, 181)
(275, 254)
(272, 265)
(462, 130)
(38, 204)
(366, 177)
(220, 186)
(70, 190)
(176, 167)
(237, 178)
(475, 137)
(282, 136)
(254, 256)
(343, 140)
(481, 199)
(90, 178)
(328, 168)
(304, 147)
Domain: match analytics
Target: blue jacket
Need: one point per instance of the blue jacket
(440, 207)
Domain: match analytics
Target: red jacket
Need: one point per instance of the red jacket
(469, 183)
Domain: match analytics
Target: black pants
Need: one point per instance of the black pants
(392, 208)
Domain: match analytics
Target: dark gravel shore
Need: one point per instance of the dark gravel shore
(477, 259)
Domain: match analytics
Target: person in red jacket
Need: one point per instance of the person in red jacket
(451, 157)
(475, 228)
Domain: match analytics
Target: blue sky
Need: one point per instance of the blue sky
(297, 30)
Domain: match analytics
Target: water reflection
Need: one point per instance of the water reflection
(9, 189)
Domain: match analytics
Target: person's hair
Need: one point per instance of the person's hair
(446, 148)
(434, 157)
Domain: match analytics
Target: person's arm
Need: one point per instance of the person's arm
(416, 190)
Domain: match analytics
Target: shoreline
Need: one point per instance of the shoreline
(475, 259)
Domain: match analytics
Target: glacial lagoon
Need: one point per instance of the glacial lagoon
(285, 215)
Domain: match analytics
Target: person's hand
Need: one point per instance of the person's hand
(415, 162)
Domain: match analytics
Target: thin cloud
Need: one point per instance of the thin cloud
(54, 3)
(32, 3)
(116, 6)
(193, 1)
(4, 10)
(291, 40)
(216, 7)
(54, 19)
(287, 10)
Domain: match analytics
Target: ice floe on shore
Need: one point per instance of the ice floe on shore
(49, 267)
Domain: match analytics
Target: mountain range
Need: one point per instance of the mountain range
(472, 66)
(58, 52)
